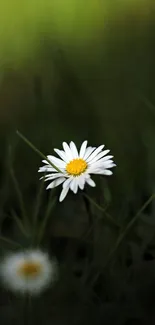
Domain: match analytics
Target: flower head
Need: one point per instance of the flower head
(75, 167)
(27, 272)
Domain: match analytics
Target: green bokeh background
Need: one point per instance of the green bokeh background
(67, 66)
(76, 70)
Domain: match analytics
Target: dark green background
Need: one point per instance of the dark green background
(103, 92)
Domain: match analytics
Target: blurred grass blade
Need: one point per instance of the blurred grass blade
(148, 103)
(19, 196)
(102, 210)
(19, 224)
(9, 241)
(107, 194)
(38, 203)
(37, 151)
(123, 234)
(132, 222)
(16, 186)
(45, 221)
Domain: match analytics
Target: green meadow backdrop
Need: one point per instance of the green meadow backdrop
(76, 70)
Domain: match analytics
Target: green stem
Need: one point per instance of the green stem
(102, 210)
(124, 233)
(37, 151)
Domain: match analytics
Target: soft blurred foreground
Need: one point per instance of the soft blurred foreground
(75, 70)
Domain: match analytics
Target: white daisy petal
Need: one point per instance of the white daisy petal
(110, 165)
(74, 150)
(67, 182)
(107, 166)
(95, 153)
(83, 149)
(45, 169)
(67, 150)
(97, 169)
(107, 158)
(75, 185)
(99, 156)
(86, 175)
(45, 162)
(55, 183)
(107, 172)
(58, 162)
(63, 194)
(52, 177)
(53, 174)
(102, 160)
(72, 184)
(104, 164)
(81, 182)
(91, 182)
(88, 152)
(62, 155)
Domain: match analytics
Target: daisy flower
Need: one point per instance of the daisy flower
(75, 167)
(27, 272)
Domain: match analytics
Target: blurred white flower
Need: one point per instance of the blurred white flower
(76, 167)
(28, 271)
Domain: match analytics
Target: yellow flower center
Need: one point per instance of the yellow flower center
(30, 269)
(76, 167)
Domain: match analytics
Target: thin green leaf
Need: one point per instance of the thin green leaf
(37, 151)
(102, 210)
(9, 241)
